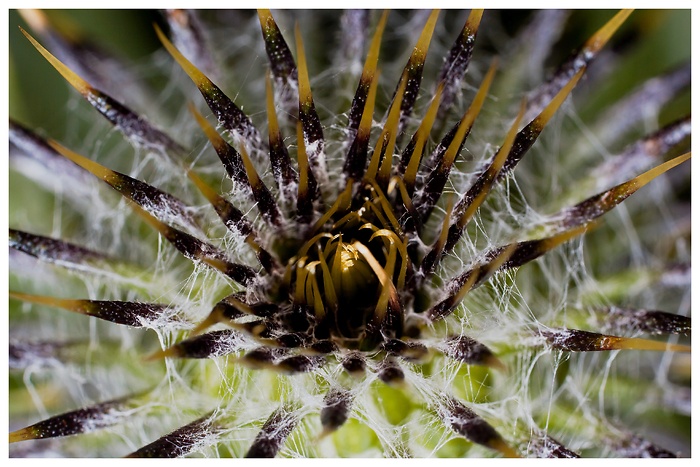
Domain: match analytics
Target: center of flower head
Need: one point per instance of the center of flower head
(347, 276)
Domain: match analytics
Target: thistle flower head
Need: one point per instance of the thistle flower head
(343, 282)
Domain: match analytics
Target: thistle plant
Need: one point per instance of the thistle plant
(354, 234)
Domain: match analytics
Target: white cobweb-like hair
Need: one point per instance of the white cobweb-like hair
(542, 393)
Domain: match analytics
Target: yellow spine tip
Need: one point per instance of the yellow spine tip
(23, 434)
(197, 77)
(73, 79)
(302, 69)
(324, 433)
(496, 363)
(474, 20)
(208, 322)
(94, 168)
(265, 16)
(679, 348)
(502, 447)
(162, 354)
(603, 35)
(421, 48)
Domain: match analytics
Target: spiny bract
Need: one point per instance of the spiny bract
(350, 288)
